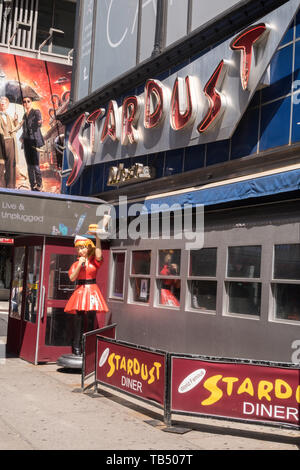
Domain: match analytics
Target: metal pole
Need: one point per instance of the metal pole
(167, 404)
(160, 28)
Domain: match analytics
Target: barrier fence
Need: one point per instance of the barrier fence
(89, 340)
(258, 392)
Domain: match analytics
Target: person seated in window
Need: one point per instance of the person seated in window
(170, 288)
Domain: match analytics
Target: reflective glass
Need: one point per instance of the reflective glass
(203, 295)
(287, 301)
(203, 262)
(244, 261)
(140, 289)
(32, 283)
(287, 261)
(169, 292)
(244, 298)
(60, 287)
(17, 282)
(59, 328)
(118, 275)
(141, 262)
(169, 262)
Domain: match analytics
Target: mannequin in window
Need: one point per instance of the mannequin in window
(169, 287)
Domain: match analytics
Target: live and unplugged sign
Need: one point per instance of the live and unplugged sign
(45, 216)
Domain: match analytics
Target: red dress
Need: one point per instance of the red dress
(166, 295)
(87, 296)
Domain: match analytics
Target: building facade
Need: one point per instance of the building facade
(202, 114)
(36, 45)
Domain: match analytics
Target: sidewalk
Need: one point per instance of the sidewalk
(41, 408)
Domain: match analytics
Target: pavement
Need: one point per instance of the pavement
(44, 408)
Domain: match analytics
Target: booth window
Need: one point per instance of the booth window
(32, 283)
(118, 268)
(140, 276)
(286, 280)
(243, 282)
(202, 283)
(17, 282)
(60, 287)
(168, 278)
(59, 324)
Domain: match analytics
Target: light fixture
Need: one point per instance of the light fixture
(52, 31)
(19, 24)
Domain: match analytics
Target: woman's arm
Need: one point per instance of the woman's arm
(98, 250)
(74, 273)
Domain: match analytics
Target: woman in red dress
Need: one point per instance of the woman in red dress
(86, 299)
(168, 286)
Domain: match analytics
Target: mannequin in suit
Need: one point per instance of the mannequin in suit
(32, 139)
(8, 147)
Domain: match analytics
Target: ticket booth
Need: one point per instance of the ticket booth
(43, 226)
(38, 328)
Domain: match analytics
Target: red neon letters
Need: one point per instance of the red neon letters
(91, 119)
(154, 103)
(245, 42)
(214, 98)
(77, 149)
(183, 104)
(123, 124)
(111, 127)
(130, 115)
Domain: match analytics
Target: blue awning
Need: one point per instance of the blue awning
(271, 184)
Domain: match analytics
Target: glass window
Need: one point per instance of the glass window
(244, 261)
(32, 283)
(169, 292)
(169, 262)
(287, 262)
(168, 285)
(60, 287)
(140, 276)
(17, 282)
(140, 289)
(202, 293)
(141, 262)
(59, 327)
(286, 295)
(244, 298)
(117, 285)
(203, 262)
(287, 301)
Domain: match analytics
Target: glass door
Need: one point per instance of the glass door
(56, 326)
(24, 302)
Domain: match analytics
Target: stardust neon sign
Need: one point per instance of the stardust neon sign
(202, 105)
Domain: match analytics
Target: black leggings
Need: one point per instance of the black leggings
(83, 322)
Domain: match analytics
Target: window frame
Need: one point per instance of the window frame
(274, 282)
(131, 277)
(111, 296)
(159, 277)
(190, 278)
(241, 279)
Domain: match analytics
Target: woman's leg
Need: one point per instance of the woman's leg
(78, 329)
